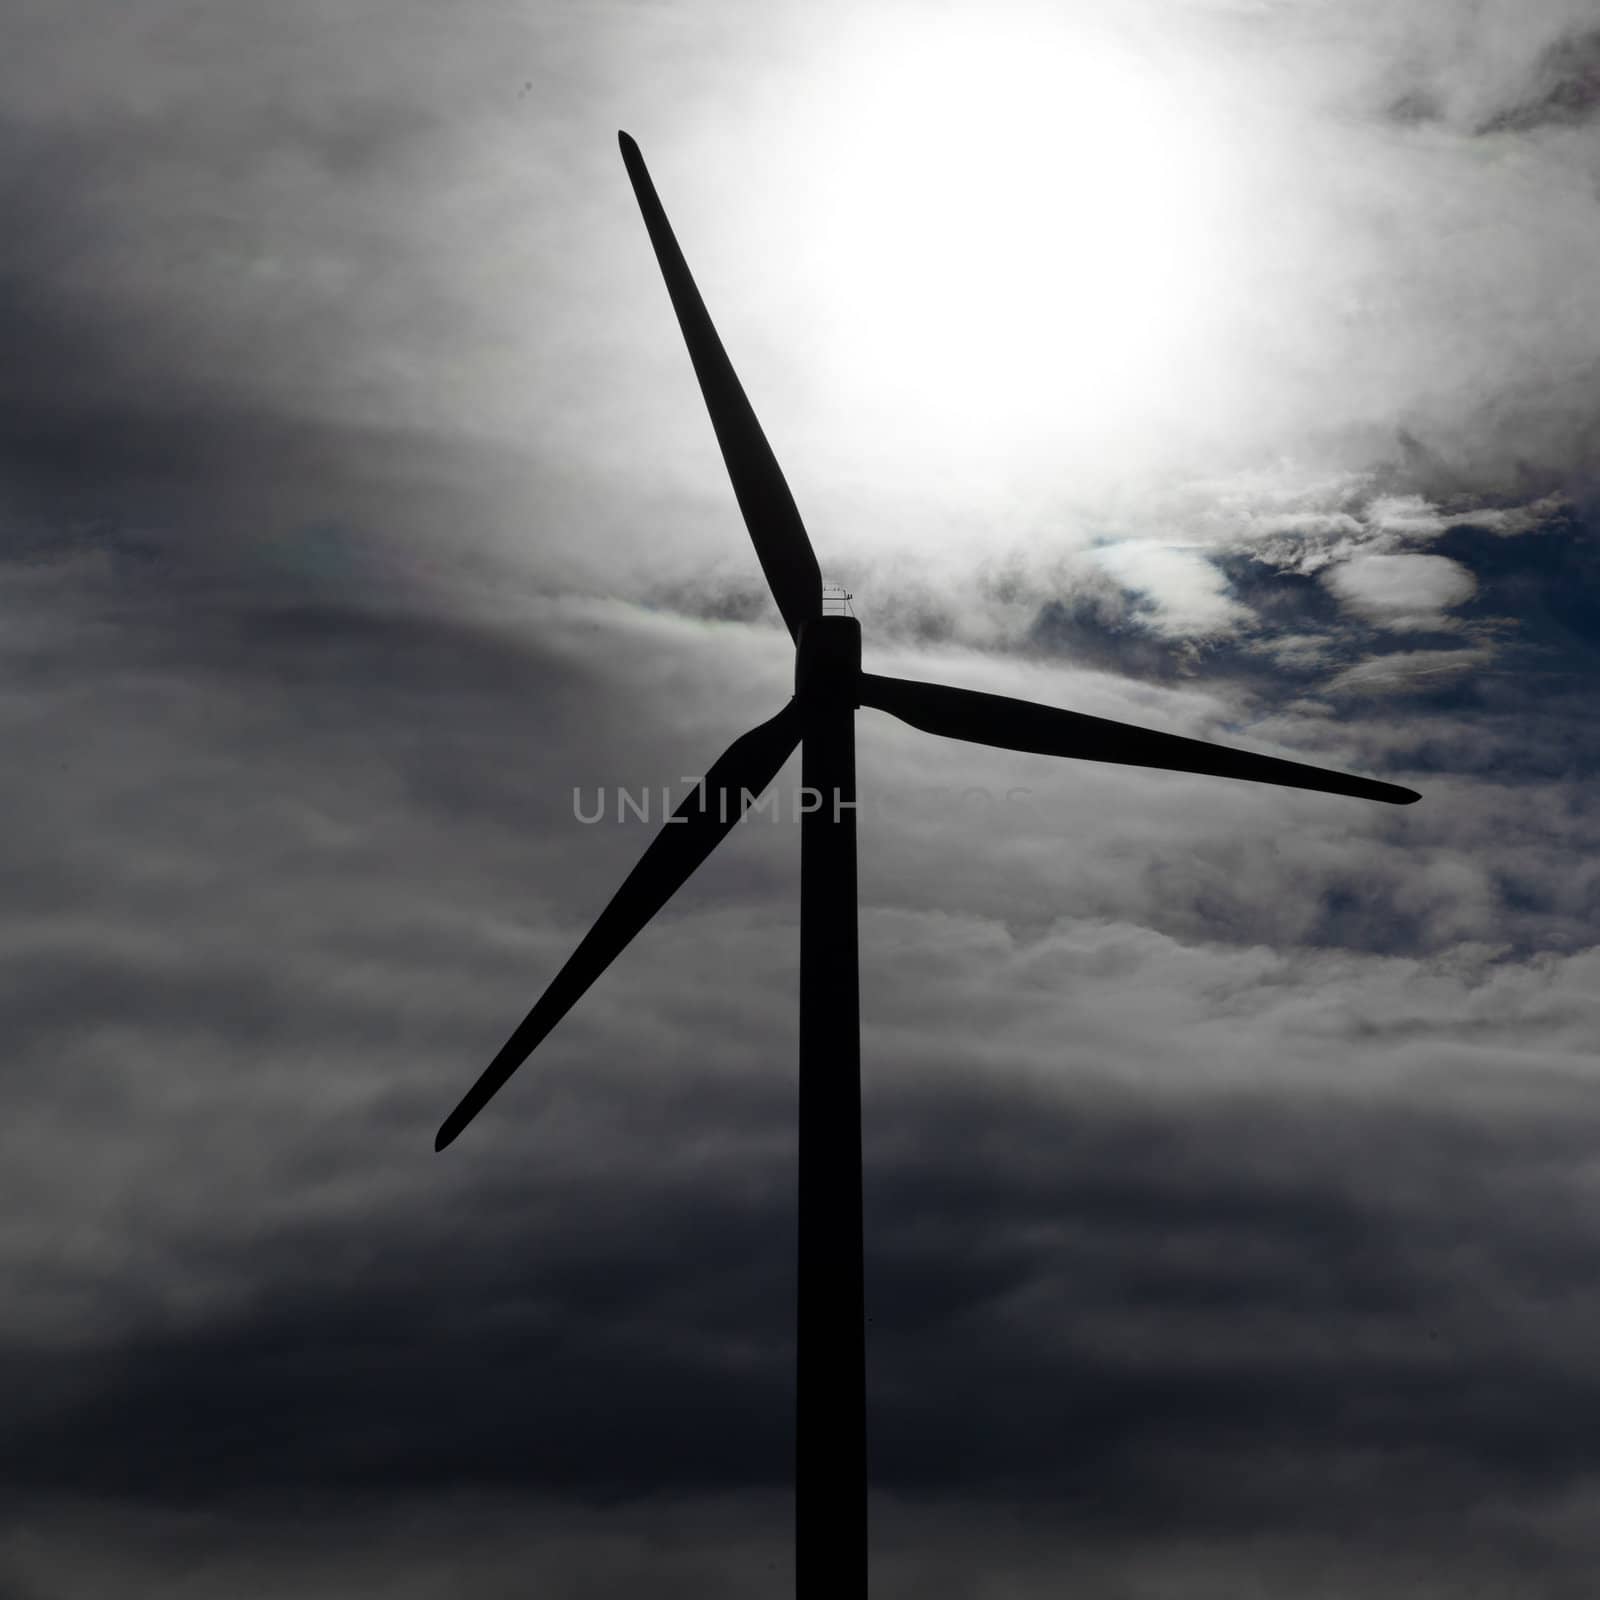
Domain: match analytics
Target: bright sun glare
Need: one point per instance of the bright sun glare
(1020, 240)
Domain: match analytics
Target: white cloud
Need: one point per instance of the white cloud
(1401, 591)
(1408, 671)
(1190, 594)
(1409, 515)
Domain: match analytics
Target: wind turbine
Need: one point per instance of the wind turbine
(830, 1423)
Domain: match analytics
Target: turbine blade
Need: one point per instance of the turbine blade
(736, 780)
(769, 510)
(1044, 730)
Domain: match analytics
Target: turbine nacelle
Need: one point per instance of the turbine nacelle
(827, 661)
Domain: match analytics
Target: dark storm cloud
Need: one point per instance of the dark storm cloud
(1565, 91)
(1127, 1294)
(1494, 70)
(132, 430)
(94, 317)
(225, 305)
(1414, 107)
(715, 600)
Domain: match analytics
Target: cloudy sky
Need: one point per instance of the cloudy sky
(1225, 366)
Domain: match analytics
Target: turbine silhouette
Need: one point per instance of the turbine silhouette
(830, 1424)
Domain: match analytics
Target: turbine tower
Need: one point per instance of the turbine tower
(829, 686)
